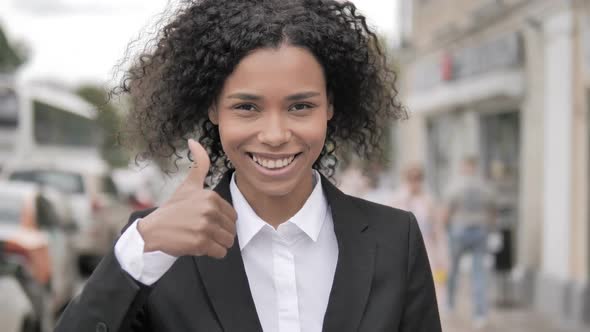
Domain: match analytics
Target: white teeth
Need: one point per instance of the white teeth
(272, 164)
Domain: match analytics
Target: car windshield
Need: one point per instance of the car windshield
(10, 209)
(66, 182)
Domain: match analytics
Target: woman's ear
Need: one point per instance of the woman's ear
(330, 111)
(213, 115)
(330, 106)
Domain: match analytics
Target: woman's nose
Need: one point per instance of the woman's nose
(274, 131)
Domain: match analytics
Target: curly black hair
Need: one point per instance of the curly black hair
(174, 80)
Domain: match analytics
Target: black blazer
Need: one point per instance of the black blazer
(382, 282)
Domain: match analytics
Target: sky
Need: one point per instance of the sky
(78, 41)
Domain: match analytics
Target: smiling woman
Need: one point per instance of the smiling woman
(173, 86)
(273, 129)
(271, 89)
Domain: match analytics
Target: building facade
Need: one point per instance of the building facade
(509, 82)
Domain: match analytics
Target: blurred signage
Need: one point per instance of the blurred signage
(496, 54)
(500, 53)
(446, 67)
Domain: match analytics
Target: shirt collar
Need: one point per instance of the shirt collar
(310, 218)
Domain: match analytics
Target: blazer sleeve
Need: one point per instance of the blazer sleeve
(421, 309)
(111, 299)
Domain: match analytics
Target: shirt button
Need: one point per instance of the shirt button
(101, 327)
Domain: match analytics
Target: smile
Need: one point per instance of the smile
(273, 163)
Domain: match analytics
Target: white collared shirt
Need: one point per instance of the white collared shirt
(290, 269)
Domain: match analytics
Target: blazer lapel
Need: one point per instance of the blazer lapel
(355, 267)
(226, 282)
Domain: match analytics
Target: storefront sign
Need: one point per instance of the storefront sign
(495, 54)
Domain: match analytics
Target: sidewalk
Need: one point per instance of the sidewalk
(510, 319)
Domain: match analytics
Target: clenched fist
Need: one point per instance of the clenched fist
(194, 221)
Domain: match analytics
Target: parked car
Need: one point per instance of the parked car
(30, 225)
(96, 206)
(24, 305)
(142, 186)
(16, 311)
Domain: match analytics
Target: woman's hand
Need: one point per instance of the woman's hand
(194, 221)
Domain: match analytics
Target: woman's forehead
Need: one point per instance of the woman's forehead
(286, 69)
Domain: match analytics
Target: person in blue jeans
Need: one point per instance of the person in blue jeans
(469, 213)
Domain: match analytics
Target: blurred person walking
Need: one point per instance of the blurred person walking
(469, 213)
(352, 181)
(379, 185)
(413, 196)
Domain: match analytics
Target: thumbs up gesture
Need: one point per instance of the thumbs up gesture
(194, 221)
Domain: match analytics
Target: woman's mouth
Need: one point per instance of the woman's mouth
(273, 163)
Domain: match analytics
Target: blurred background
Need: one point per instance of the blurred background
(502, 86)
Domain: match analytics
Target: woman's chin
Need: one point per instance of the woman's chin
(276, 188)
(272, 186)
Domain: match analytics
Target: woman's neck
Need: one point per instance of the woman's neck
(276, 210)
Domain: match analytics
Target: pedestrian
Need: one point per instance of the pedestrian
(270, 89)
(469, 213)
(352, 181)
(413, 195)
(379, 185)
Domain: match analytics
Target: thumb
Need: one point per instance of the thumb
(201, 164)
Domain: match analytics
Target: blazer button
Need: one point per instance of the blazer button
(101, 327)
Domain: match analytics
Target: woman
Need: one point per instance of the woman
(272, 88)
(414, 197)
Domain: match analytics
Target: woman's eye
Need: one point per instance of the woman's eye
(246, 107)
(300, 107)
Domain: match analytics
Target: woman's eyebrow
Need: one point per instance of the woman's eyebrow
(293, 97)
(244, 96)
(302, 95)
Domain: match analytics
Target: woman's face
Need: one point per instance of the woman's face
(272, 115)
(414, 179)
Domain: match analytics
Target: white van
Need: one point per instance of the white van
(42, 122)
